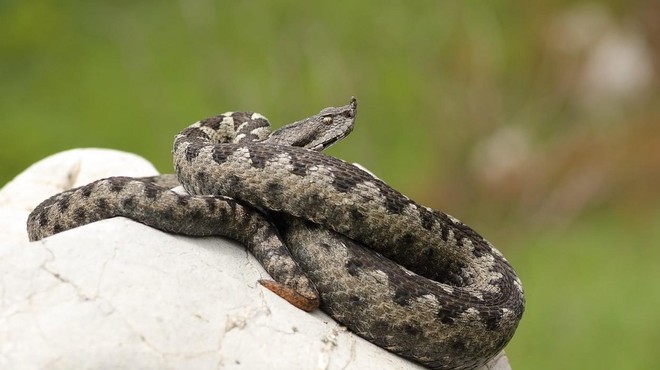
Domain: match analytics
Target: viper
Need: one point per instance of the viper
(413, 280)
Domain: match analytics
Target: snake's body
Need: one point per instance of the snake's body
(347, 232)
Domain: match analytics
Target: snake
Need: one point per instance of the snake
(410, 279)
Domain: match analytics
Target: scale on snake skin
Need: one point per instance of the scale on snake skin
(408, 278)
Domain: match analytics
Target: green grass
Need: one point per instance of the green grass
(79, 73)
(592, 295)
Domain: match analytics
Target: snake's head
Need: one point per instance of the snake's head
(318, 131)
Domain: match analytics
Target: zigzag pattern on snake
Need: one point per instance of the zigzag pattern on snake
(411, 279)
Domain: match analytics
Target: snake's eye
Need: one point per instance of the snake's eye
(327, 120)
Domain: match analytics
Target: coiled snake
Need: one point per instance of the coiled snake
(349, 235)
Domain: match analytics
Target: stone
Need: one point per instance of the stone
(118, 294)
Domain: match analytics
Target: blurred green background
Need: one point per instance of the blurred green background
(536, 123)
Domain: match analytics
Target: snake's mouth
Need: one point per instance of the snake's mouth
(331, 141)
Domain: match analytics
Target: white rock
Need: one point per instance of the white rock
(118, 294)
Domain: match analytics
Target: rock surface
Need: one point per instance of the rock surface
(118, 294)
